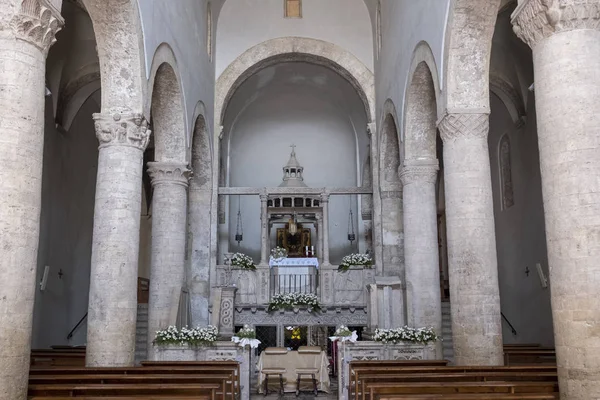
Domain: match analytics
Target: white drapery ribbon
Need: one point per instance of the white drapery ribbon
(243, 342)
(352, 338)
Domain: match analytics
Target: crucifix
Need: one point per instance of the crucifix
(293, 146)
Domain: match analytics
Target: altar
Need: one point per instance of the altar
(294, 275)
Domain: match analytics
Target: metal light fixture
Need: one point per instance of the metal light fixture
(239, 230)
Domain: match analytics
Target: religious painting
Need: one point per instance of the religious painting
(294, 244)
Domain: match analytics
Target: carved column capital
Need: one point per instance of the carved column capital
(460, 125)
(419, 173)
(37, 22)
(263, 198)
(535, 20)
(324, 197)
(169, 173)
(371, 128)
(122, 130)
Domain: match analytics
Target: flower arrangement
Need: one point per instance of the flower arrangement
(406, 334)
(246, 337)
(343, 334)
(185, 335)
(278, 253)
(242, 261)
(355, 259)
(283, 301)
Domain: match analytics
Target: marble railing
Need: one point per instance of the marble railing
(333, 287)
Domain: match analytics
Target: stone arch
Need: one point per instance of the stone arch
(510, 96)
(470, 29)
(391, 151)
(420, 131)
(167, 108)
(119, 39)
(295, 49)
(200, 150)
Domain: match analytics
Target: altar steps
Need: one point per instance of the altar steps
(141, 334)
(447, 349)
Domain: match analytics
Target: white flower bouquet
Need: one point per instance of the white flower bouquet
(284, 301)
(278, 254)
(185, 335)
(343, 334)
(406, 334)
(246, 337)
(242, 261)
(355, 260)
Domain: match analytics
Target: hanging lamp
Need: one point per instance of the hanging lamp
(239, 230)
(351, 234)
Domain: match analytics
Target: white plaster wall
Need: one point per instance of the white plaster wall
(404, 24)
(69, 186)
(318, 111)
(182, 25)
(520, 231)
(246, 23)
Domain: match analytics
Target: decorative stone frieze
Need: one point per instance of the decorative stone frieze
(122, 130)
(331, 316)
(535, 20)
(37, 22)
(417, 173)
(457, 125)
(391, 194)
(169, 173)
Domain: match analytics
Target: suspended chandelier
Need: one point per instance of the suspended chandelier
(351, 234)
(239, 230)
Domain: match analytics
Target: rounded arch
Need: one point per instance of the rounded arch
(420, 115)
(297, 49)
(200, 151)
(391, 151)
(468, 51)
(120, 43)
(167, 108)
(510, 97)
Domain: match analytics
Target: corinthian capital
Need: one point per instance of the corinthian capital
(459, 125)
(37, 22)
(534, 20)
(169, 173)
(122, 130)
(419, 172)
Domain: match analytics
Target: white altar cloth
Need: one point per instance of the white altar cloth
(295, 262)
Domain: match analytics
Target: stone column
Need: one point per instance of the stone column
(391, 223)
(325, 241)
(167, 272)
(320, 237)
(472, 261)
(423, 297)
(226, 315)
(24, 43)
(566, 53)
(112, 312)
(264, 231)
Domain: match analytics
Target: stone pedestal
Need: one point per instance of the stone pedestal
(24, 43)
(218, 351)
(472, 260)
(566, 55)
(385, 304)
(226, 314)
(169, 212)
(423, 297)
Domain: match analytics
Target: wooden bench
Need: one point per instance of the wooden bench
(49, 357)
(474, 396)
(379, 389)
(529, 356)
(206, 390)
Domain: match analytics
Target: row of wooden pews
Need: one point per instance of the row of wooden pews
(419, 379)
(213, 380)
(519, 354)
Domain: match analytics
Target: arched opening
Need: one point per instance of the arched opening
(317, 111)
(199, 220)
(391, 196)
(70, 165)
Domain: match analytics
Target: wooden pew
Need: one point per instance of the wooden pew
(204, 390)
(50, 357)
(529, 356)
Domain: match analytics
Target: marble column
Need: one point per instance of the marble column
(566, 54)
(167, 272)
(27, 35)
(472, 260)
(264, 230)
(112, 309)
(422, 269)
(320, 237)
(325, 241)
